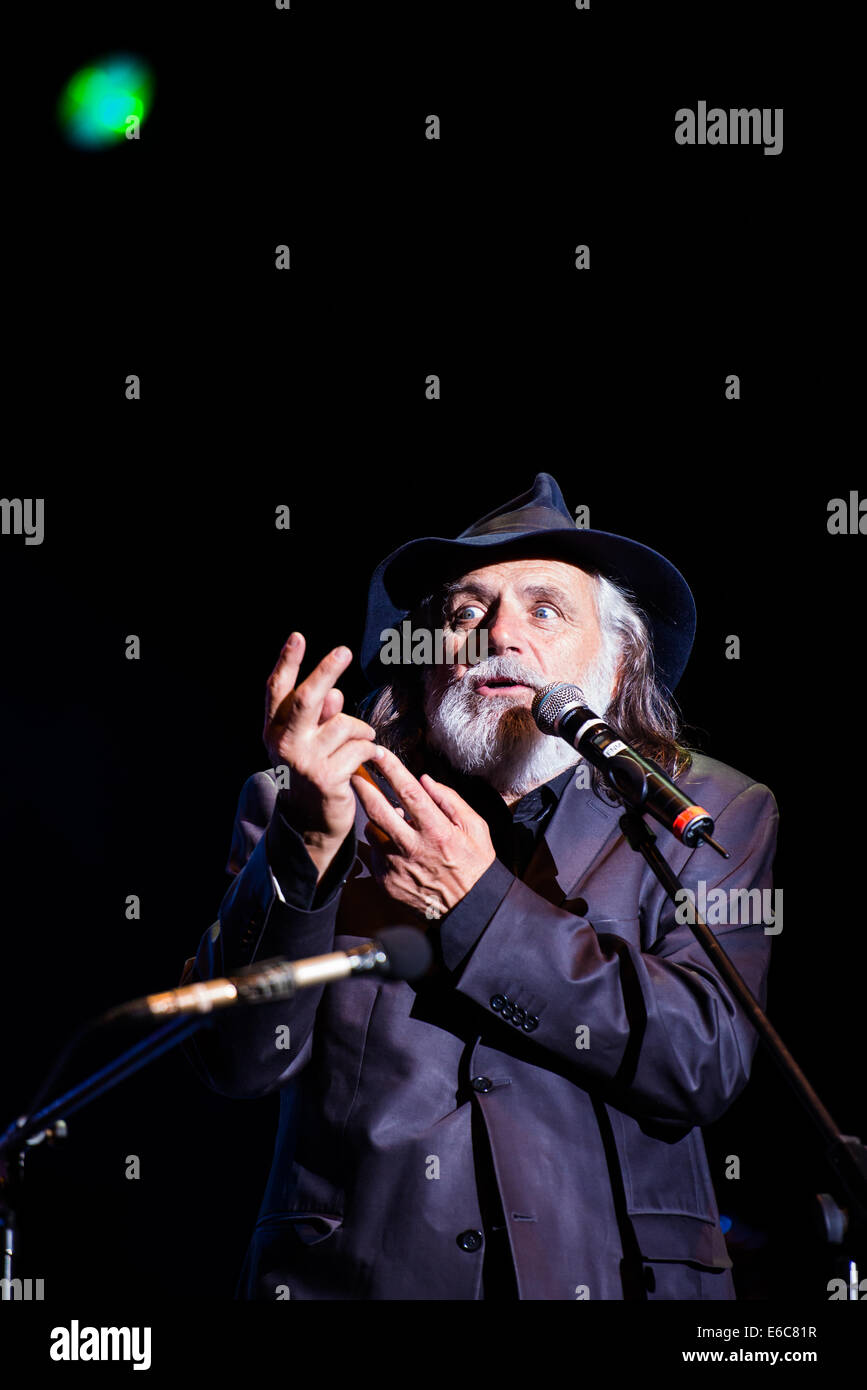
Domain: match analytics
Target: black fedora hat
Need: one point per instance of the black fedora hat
(538, 524)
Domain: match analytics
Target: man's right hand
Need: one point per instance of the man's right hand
(306, 731)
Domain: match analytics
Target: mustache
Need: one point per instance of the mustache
(502, 668)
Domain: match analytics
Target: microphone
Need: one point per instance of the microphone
(400, 953)
(559, 709)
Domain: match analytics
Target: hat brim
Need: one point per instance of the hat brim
(419, 566)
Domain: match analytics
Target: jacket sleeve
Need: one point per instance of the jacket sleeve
(664, 1036)
(271, 908)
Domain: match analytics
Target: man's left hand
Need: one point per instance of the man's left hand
(434, 855)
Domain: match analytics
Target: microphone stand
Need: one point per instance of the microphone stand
(845, 1153)
(396, 953)
(48, 1124)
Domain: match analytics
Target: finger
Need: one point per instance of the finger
(306, 706)
(417, 800)
(374, 835)
(346, 760)
(384, 816)
(339, 729)
(391, 830)
(448, 800)
(331, 705)
(363, 772)
(282, 679)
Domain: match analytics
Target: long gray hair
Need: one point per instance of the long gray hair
(642, 711)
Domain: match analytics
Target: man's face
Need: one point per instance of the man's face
(540, 620)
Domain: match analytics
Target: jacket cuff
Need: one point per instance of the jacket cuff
(293, 870)
(461, 928)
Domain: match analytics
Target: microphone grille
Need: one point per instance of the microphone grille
(551, 703)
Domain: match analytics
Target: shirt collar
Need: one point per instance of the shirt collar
(542, 798)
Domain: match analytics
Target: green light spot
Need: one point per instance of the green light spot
(95, 105)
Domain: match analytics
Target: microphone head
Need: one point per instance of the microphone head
(409, 953)
(551, 702)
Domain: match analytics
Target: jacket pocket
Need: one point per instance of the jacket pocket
(297, 1254)
(668, 1236)
(669, 1196)
(664, 1168)
(309, 1227)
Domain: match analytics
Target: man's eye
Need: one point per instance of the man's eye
(464, 615)
(545, 608)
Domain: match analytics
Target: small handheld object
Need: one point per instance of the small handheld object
(372, 774)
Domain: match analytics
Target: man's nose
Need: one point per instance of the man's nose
(504, 631)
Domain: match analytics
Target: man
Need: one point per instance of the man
(524, 1123)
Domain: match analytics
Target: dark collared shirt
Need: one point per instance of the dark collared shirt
(516, 841)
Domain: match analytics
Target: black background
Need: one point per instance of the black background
(306, 388)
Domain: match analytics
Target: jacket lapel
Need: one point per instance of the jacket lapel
(575, 834)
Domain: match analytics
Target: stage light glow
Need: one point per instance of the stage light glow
(95, 105)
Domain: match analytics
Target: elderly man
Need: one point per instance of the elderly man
(523, 1123)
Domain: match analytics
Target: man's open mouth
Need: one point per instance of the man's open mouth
(491, 684)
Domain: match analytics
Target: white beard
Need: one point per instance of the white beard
(495, 736)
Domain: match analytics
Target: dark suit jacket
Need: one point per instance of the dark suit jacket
(597, 1149)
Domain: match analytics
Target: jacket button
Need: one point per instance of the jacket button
(518, 1015)
(482, 1083)
(470, 1240)
(530, 1022)
(497, 1002)
(507, 1013)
